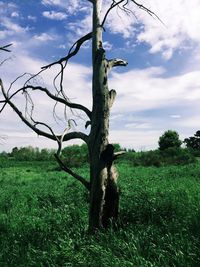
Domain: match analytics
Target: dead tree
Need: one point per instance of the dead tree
(102, 183)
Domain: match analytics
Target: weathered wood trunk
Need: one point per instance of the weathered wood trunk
(104, 196)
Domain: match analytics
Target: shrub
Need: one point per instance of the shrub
(169, 139)
(193, 143)
(157, 158)
(149, 158)
(194, 152)
(177, 156)
(75, 155)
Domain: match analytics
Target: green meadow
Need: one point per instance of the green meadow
(44, 217)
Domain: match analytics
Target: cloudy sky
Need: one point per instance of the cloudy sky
(157, 91)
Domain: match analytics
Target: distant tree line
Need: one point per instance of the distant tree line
(171, 139)
(73, 156)
(169, 152)
(29, 153)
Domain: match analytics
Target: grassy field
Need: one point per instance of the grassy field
(44, 218)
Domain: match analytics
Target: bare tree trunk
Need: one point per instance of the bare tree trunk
(104, 192)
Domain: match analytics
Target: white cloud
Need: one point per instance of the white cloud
(190, 122)
(140, 140)
(71, 6)
(33, 18)
(44, 37)
(146, 89)
(50, 2)
(15, 14)
(13, 27)
(9, 24)
(181, 19)
(7, 8)
(138, 125)
(75, 28)
(54, 15)
(121, 24)
(79, 28)
(62, 46)
(138, 90)
(175, 116)
(107, 46)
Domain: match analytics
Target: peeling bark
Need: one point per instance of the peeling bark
(104, 194)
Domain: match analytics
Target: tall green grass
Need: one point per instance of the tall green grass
(44, 218)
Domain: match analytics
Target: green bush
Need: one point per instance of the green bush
(75, 155)
(149, 158)
(177, 156)
(169, 139)
(157, 158)
(193, 142)
(194, 152)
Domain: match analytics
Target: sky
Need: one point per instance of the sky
(158, 90)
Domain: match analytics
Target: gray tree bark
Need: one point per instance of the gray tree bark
(104, 194)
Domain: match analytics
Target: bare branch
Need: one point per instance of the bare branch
(116, 62)
(59, 99)
(67, 137)
(1, 63)
(117, 4)
(75, 175)
(71, 53)
(54, 97)
(62, 137)
(2, 139)
(63, 63)
(150, 12)
(75, 135)
(31, 78)
(19, 113)
(118, 154)
(49, 128)
(4, 48)
(114, 4)
(87, 124)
